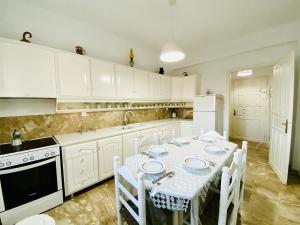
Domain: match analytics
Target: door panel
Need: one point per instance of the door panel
(124, 81)
(141, 84)
(250, 109)
(282, 116)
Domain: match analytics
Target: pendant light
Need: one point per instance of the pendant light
(170, 52)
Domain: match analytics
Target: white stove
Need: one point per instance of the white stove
(30, 179)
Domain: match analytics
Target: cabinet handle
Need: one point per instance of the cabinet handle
(81, 161)
(81, 172)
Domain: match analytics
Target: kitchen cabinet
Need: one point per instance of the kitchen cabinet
(154, 86)
(103, 79)
(26, 71)
(141, 84)
(170, 131)
(148, 137)
(107, 149)
(189, 87)
(177, 88)
(73, 75)
(184, 88)
(128, 144)
(165, 87)
(124, 81)
(186, 128)
(80, 166)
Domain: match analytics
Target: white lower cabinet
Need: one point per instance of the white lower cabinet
(107, 149)
(170, 131)
(186, 128)
(128, 145)
(80, 166)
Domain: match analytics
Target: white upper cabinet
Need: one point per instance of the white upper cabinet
(124, 81)
(103, 79)
(177, 88)
(141, 84)
(26, 70)
(73, 75)
(184, 88)
(154, 86)
(165, 87)
(189, 87)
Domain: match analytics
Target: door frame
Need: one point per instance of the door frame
(230, 92)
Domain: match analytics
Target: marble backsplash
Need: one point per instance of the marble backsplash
(49, 125)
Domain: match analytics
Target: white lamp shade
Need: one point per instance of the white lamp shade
(171, 53)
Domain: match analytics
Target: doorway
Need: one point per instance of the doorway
(250, 104)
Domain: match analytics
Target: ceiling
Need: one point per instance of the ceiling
(196, 23)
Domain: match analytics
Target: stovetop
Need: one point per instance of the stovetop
(27, 145)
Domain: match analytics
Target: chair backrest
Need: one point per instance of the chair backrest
(215, 134)
(229, 193)
(142, 143)
(123, 193)
(242, 172)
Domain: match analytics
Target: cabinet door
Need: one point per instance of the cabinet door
(141, 84)
(148, 137)
(73, 75)
(165, 87)
(26, 71)
(186, 128)
(103, 79)
(80, 166)
(154, 86)
(107, 149)
(128, 144)
(124, 81)
(177, 88)
(189, 87)
(168, 132)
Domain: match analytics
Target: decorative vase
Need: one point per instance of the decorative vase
(161, 70)
(131, 57)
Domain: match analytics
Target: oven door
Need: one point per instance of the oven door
(26, 183)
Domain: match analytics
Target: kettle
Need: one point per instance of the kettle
(16, 138)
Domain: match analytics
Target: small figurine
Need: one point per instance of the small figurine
(80, 50)
(131, 57)
(24, 36)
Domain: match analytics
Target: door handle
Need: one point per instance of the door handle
(286, 126)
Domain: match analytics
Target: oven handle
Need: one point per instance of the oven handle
(14, 170)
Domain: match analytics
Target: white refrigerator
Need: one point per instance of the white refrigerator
(208, 113)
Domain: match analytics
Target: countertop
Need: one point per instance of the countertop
(79, 137)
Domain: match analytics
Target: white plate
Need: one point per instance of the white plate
(157, 149)
(214, 149)
(195, 163)
(180, 141)
(208, 139)
(152, 166)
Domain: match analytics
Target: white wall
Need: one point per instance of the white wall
(61, 32)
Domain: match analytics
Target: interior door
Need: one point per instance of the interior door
(282, 115)
(250, 109)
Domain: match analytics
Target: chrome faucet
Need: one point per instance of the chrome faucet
(125, 122)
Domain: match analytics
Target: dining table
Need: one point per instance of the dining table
(185, 189)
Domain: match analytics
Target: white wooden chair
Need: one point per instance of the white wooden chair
(129, 208)
(143, 142)
(228, 198)
(215, 134)
(242, 172)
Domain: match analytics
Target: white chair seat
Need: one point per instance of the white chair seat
(37, 220)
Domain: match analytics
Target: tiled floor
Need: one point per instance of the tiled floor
(266, 200)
